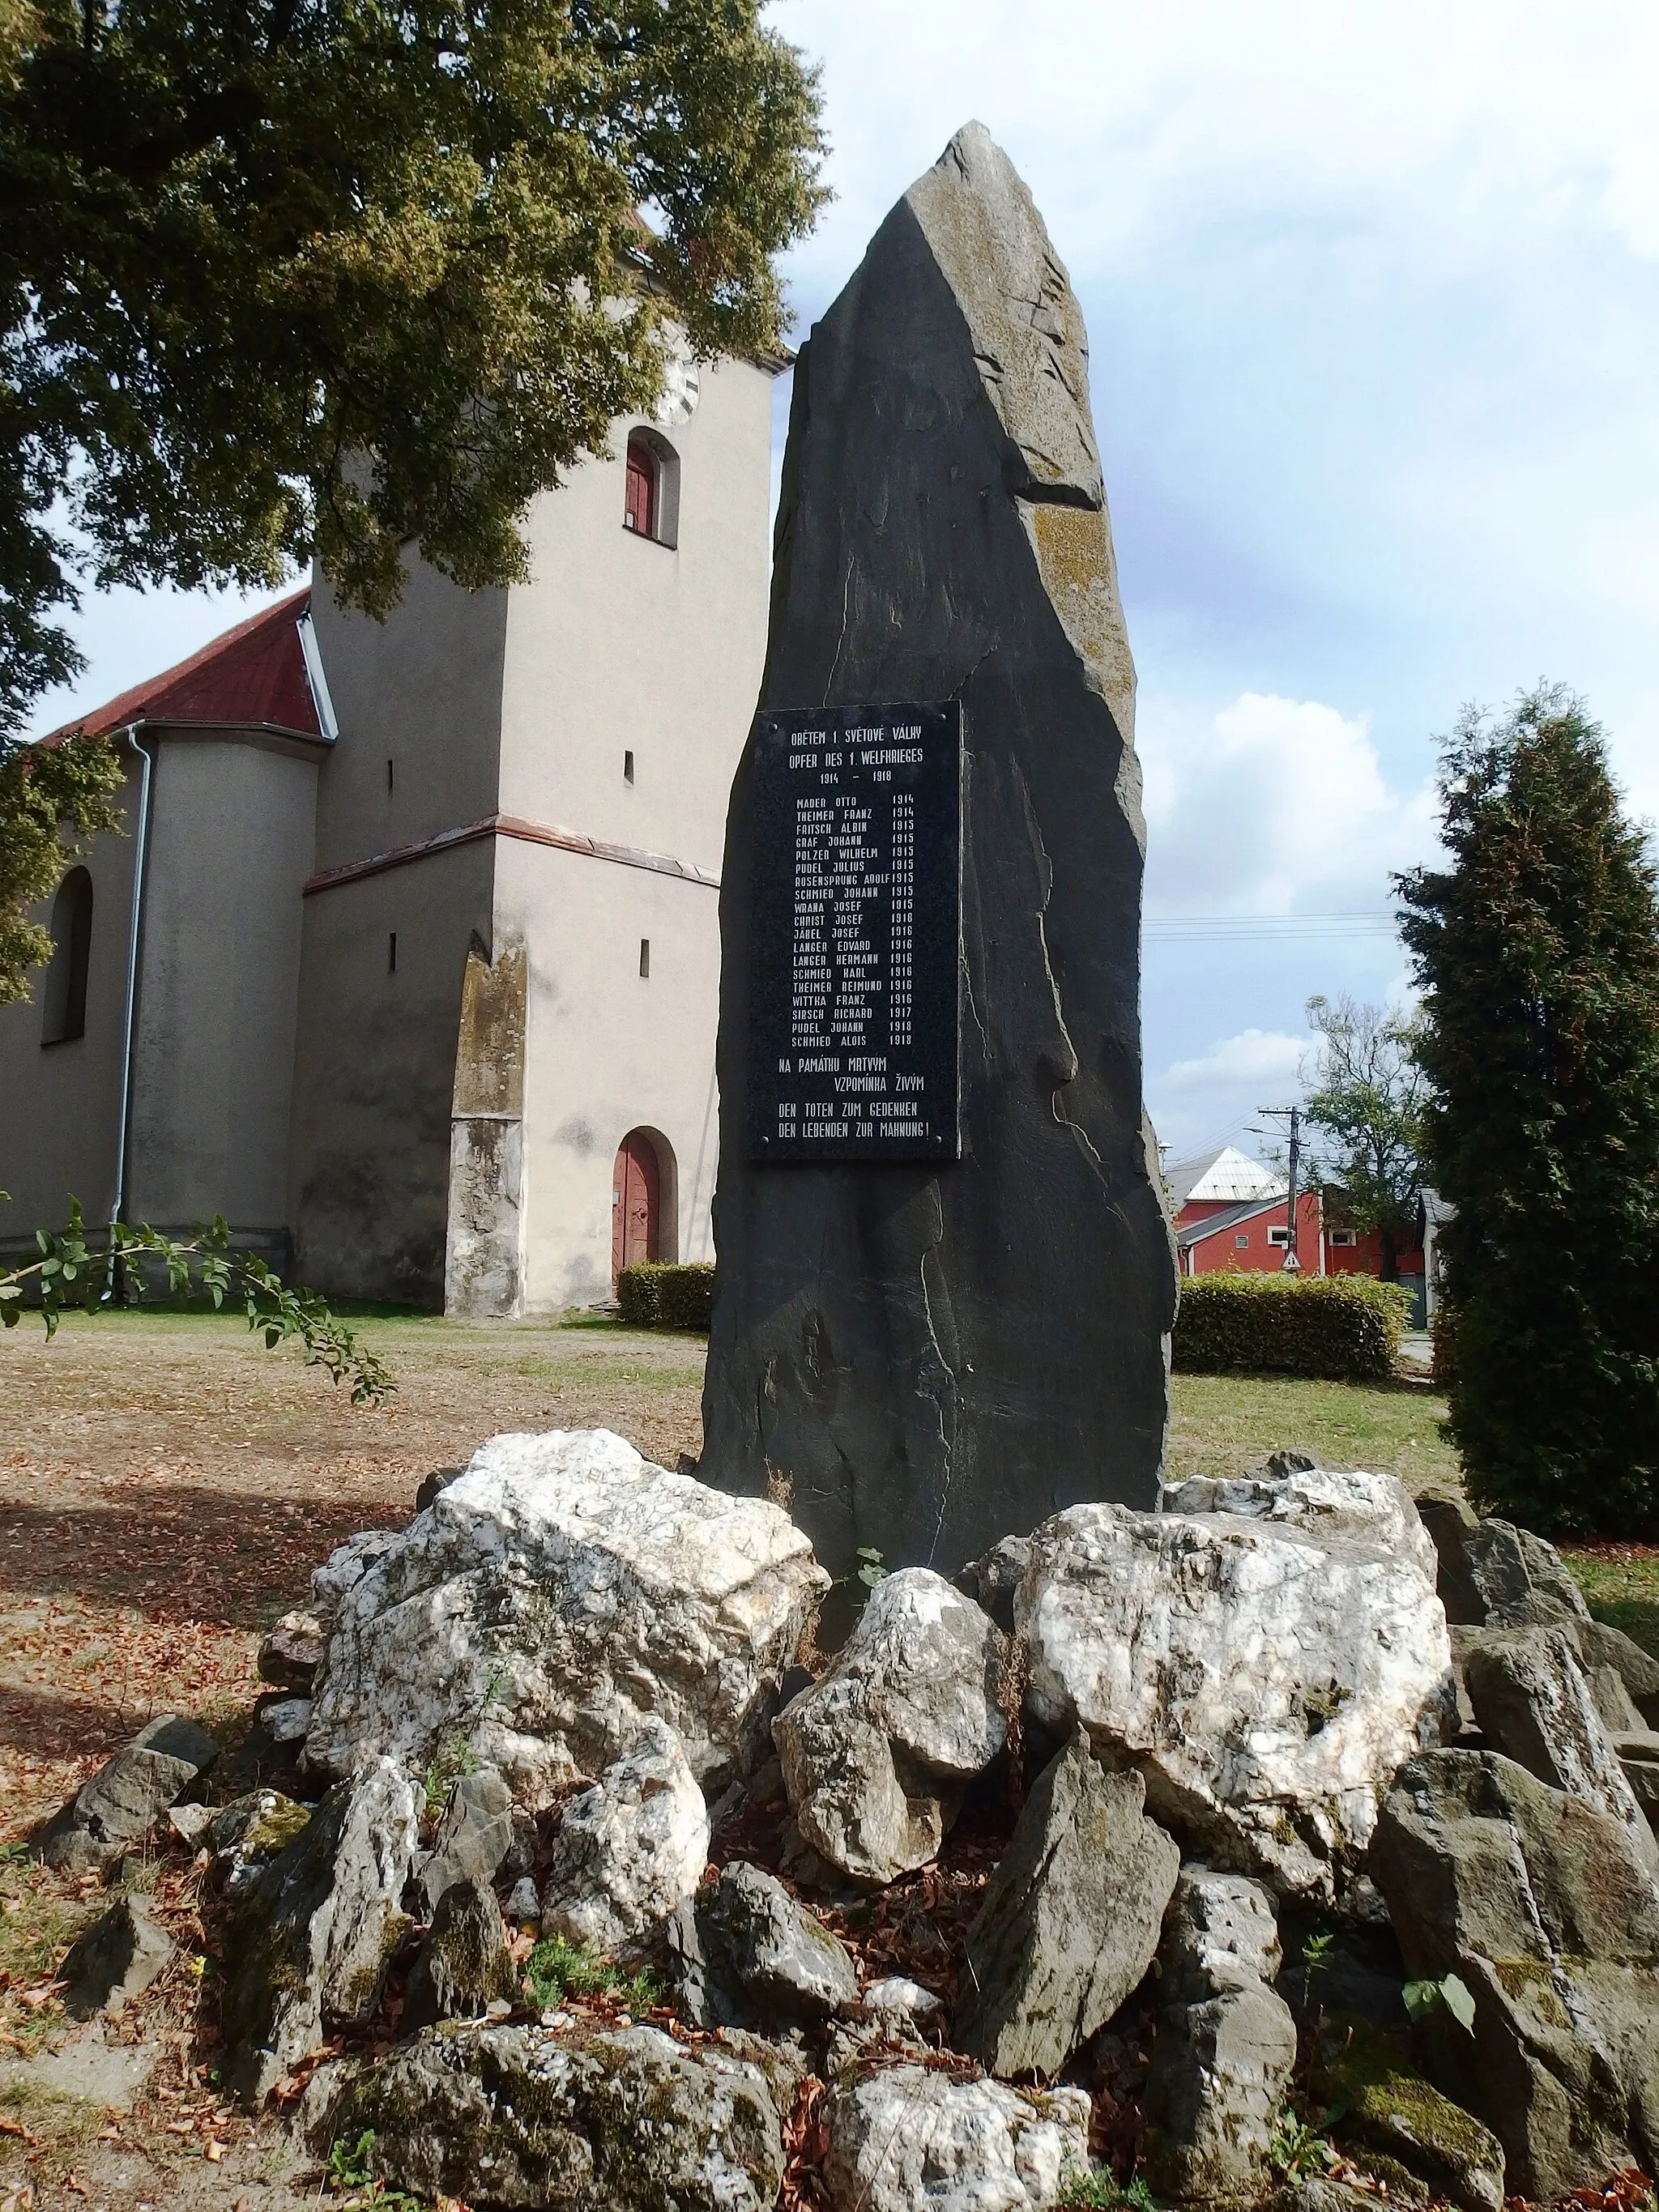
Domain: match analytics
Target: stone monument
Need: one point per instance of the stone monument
(945, 1274)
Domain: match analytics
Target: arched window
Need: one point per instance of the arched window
(64, 1015)
(652, 503)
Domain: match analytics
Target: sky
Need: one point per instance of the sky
(1373, 300)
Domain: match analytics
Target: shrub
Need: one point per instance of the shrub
(1346, 1328)
(656, 1294)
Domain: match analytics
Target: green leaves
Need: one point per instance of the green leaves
(43, 791)
(331, 276)
(1422, 1999)
(72, 1271)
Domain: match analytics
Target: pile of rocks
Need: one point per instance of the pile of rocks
(1092, 1796)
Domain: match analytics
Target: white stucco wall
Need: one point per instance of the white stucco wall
(58, 1103)
(619, 644)
(423, 690)
(231, 834)
(608, 1051)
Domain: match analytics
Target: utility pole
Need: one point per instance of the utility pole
(1291, 1265)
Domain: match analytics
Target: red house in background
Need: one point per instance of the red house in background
(1229, 1211)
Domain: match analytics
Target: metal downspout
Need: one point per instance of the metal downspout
(124, 1123)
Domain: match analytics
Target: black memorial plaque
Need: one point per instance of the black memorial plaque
(855, 966)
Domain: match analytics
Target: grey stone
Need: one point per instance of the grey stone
(123, 1802)
(248, 1833)
(1220, 1933)
(523, 1904)
(897, 1345)
(908, 2140)
(1450, 1523)
(187, 1822)
(113, 1962)
(313, 1933)
(1225, 2044)
(344, 1568)
(293, 1651)
(1604, 1647)
(522, 2116)
(1612, 1700)
(991, 1581)
(1535, 1705)
(899, 1993)
(464, 1965)
(474, 1834)
(431, 1486)
(1546, 1910)
(1321, 2192)
(1520, 1580)
(1070, 1920)
(877, 1752)
(629, 1850)
(1643, 1776)
(742, 1953)
(1219, 2073)
(287, 1720)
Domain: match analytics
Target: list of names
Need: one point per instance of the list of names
(854, 1006)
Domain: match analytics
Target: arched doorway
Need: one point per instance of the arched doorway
(635, 1204)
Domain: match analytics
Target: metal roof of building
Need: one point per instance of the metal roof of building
(253, 674)
(1226, 1174)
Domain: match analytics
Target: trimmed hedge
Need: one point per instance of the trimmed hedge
(1343, 1328)
(655, 1294)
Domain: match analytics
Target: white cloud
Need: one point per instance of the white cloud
(1273, 806)
(1253, 1056)
(1214, 1098)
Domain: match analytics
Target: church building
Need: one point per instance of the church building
(409, 963)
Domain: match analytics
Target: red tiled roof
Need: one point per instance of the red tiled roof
(253, 673)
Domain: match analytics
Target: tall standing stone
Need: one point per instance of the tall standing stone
(924, 1354)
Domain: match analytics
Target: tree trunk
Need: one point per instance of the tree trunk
(1390, 1257)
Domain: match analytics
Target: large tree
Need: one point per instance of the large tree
(281, 277)
(1365, 1098)
(1537, 951)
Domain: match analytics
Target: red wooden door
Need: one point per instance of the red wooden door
(635, 1196)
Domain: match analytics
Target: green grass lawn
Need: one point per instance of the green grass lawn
(1225, 1424)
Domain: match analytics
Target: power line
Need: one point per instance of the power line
(1272, 929)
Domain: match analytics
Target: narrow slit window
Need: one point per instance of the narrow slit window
(645, 955)
(388, 779)
(64, 1011)
(391, 954)
(627, 767)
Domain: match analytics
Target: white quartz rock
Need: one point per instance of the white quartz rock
(549, 1599)
(1268, 1677)
(631, 1849)
(877, 1752)
(1371, 1509)
(911, 2140)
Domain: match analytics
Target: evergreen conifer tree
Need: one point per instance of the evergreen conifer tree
(1537, 951)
